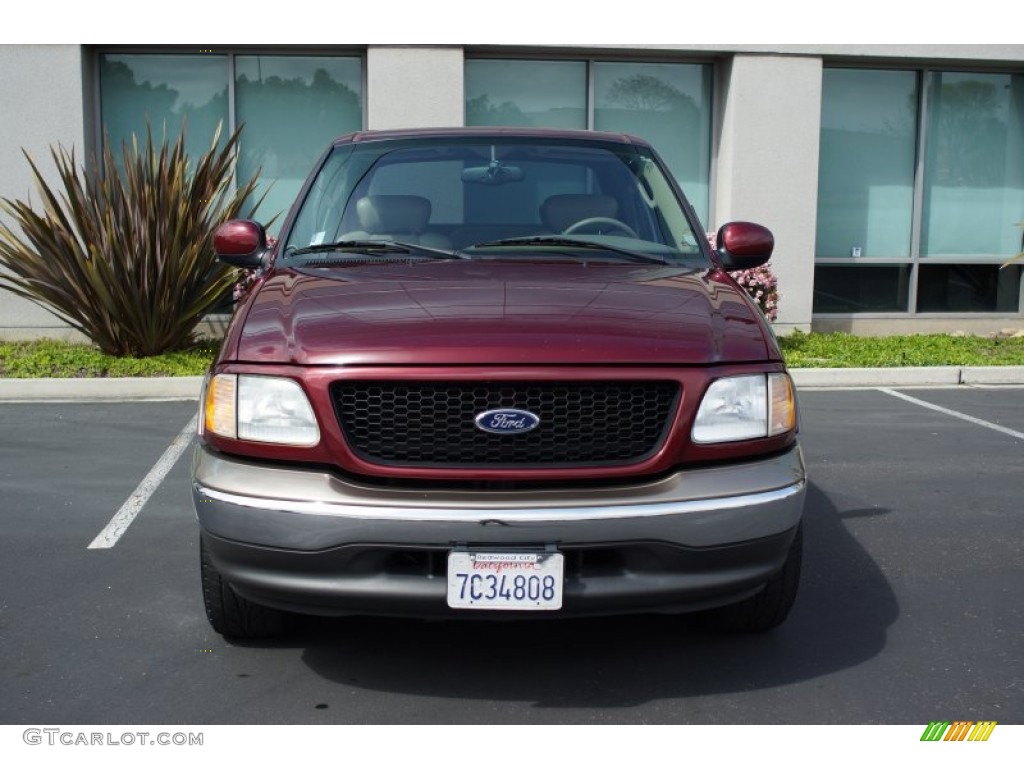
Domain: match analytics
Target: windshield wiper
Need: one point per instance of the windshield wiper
(572, 242)
(377, 246)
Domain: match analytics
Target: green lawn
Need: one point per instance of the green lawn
(841, 350)
(25, 359)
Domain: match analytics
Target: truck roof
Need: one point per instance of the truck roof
(483, 132)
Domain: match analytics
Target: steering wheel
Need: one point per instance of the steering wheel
(600, 224)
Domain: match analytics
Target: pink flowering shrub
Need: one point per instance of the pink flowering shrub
(247, 278)
(244, 282)
(760, 283)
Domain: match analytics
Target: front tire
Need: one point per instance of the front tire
(229, 613)
(769, 607)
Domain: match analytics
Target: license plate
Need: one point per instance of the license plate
(505, 581)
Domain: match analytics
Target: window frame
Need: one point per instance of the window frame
(923, 73)
(231, 52)
(591, 60)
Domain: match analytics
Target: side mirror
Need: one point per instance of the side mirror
(744, 245)
(241, 243)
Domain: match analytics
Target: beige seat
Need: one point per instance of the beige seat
(559, 212)
(396, 217)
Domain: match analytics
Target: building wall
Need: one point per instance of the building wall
(765, 133)
(42, 89)
(767, 169)
(413, 87)
(886, 53)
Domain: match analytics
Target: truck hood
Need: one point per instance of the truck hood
(486, 313)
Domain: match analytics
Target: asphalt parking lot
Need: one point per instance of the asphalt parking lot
(911, 606)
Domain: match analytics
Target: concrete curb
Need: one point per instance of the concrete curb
(938, 376)
(187, 387)
(156, 388)
(1008, 374)
(830, 378)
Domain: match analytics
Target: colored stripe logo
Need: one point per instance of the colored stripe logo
(959, 730)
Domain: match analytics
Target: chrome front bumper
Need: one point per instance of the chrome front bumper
(308, 510)
(309, 541)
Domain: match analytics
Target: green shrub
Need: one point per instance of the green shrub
(124, 252)
(48, 358)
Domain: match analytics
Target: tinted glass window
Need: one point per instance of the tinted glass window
(469, 191)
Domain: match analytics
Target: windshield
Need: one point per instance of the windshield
(498, 198)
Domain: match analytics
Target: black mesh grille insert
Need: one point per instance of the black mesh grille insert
(432, 423)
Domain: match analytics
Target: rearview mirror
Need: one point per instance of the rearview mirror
(494, 173)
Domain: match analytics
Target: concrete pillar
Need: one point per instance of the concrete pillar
(414, 87)
(767, 166)
(43, 88)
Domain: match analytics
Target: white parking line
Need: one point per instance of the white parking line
(956, 414)
(130, 509)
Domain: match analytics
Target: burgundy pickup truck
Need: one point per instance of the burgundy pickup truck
(494, 370)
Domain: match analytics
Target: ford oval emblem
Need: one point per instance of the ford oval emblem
(507, 421)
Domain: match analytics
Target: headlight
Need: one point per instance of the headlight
(745, 408)
(265, 409)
